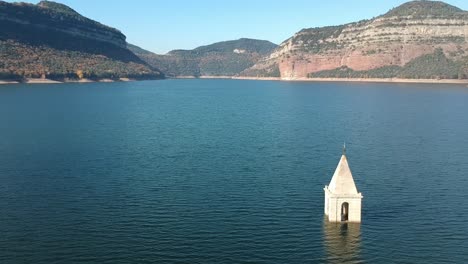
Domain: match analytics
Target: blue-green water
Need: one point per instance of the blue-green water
(230, 171)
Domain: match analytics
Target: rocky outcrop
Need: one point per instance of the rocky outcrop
(397, 38)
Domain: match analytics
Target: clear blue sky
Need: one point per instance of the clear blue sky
(163, 25)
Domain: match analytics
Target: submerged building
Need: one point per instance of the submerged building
(342, 199)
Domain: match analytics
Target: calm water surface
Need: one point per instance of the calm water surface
(230, 171)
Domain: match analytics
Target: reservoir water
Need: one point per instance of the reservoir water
(230, 171)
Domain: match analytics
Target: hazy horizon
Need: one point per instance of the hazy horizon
(161, 26)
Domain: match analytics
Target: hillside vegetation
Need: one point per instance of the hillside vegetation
(424, 9)
(419, 39)
(51, 40)
(430, 66)
(227, 58)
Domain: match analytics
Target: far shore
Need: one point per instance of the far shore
(369, 80)
(201, 77)
(49, 81)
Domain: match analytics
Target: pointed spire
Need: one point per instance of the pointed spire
(342, 181)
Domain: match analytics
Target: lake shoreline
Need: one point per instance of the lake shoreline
(350, 80)
(50, 81)
(354, 80)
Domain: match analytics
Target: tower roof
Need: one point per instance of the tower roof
(342, 181)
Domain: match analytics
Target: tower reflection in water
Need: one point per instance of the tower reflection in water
(342, 242)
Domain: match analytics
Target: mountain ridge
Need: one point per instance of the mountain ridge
(418, 40)
(423, 8)
(225, 58)
(405, 33)
(51, 40)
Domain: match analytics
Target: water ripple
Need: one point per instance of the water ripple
(217, 171)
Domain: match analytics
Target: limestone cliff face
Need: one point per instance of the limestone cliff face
(405, 33)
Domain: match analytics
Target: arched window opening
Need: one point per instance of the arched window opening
(344, 212)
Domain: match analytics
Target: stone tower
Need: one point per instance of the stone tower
(342, 199)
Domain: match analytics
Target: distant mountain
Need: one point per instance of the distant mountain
(419, 39)
(51, 40)
(226, 58)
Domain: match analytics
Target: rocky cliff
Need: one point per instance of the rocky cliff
(226, 58)
(419, 39)
(52, 40)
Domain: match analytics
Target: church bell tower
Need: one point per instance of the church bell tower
(342, 199)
